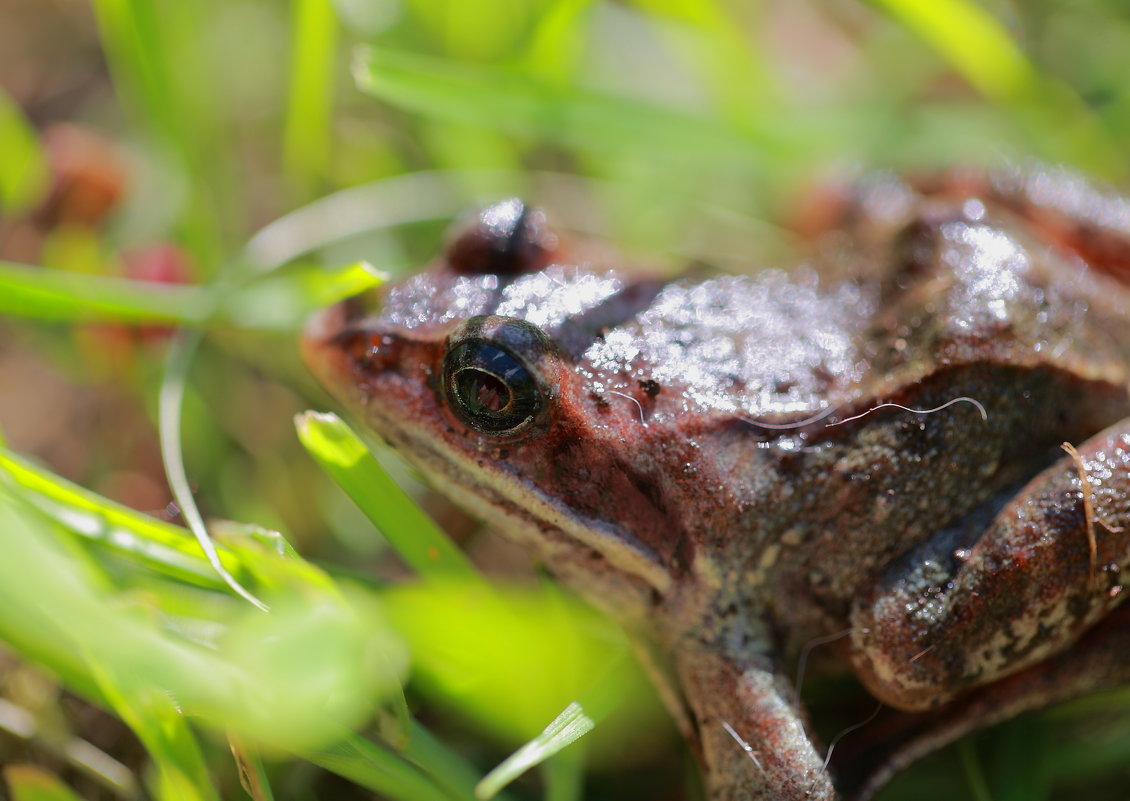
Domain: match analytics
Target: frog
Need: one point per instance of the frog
(908, 449)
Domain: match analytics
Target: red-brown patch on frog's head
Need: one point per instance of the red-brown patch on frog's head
(474, 377)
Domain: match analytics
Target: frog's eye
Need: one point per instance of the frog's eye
(486, 385)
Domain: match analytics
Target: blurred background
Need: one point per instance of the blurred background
(187, 142)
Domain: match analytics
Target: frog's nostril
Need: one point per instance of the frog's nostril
(508, 238)
(364, 350)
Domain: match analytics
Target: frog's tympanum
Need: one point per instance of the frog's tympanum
(918, 439)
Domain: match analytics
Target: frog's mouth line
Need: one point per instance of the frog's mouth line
(518, 510)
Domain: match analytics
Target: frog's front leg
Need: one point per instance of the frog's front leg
(754, 746)
(966, 609)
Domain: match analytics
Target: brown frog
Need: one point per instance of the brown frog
(918, 442)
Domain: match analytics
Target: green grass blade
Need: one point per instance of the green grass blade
(161, 546)
(575, 721)
(285, 302)
(565, 729)
(252, 773)
(982, 51)
(131, 35)
(418, 541)
(975, 776)
(737, 73)
(512, 102)
(180, 772)
(971, 40)
(293, 679)
(280, 302)
(557, 43)
(56, 295)
(271, 561)
(375, 206)
(306, 146)
(145, 44)
(23, 169)
(169, 416)
(564, 775)
(444, 766)
(379, 770)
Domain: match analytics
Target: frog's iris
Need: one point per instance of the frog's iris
(489, 389)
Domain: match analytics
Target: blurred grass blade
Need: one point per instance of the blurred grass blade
(511, 659)
(737, 73)
(168, 549)
(32, 783)
(294, 679)
(565, 775)
(23, 168)
(132, 39)
(252, 773)
(77, 621)
(278, 302)
(56, 295)
(379, 770)
(169, 417)
(145, 43)
(445, 767)
(283, 302)
(499, 99)
(418, 541)
(981, 49)
(113, 778)
(972, 40)
(974, 775)
(181, 773)
(557, 43)
(375, 206)
(306, 148)
(566, 728)
(254, 546)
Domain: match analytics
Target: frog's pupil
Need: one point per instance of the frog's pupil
(488, 388)
(483, 392)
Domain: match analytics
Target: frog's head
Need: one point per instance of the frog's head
(476, 371)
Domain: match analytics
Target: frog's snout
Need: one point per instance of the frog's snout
(324, 325)
(334, 341)
(326, 328)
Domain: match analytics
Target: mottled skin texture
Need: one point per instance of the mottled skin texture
(705, 459)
